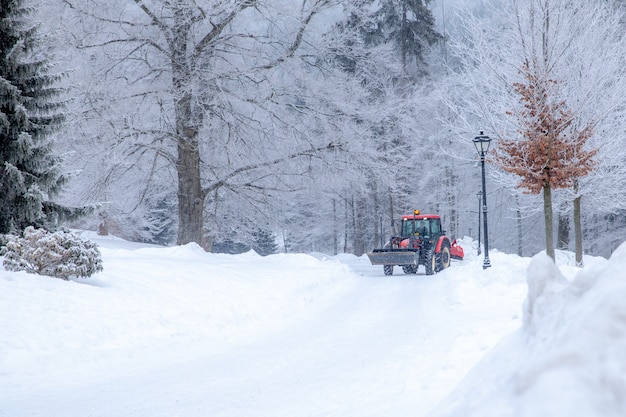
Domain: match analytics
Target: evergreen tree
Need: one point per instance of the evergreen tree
(30, 110)
(229, 246)
(264, 242)
(406, 24)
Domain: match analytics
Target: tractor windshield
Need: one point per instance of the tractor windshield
(415, 227)
(421, 227)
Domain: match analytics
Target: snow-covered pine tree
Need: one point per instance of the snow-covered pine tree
(30, 109)
(264, 242)
(408, 24)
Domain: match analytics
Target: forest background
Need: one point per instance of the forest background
(313, 124)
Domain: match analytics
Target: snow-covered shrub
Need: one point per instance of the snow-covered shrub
(59, 254)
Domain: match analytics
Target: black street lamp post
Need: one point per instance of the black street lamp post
(482, 142)
(480, 197)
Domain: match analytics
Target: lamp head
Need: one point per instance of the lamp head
(482, 142)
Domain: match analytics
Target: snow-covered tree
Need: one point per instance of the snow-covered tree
(31, 109)
(264, 242)
(201, 94)
(573, 42)
(409, 25)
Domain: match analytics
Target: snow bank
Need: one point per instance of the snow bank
(154, 297)
(569, 357)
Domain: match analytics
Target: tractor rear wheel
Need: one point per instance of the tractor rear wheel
(388, 269)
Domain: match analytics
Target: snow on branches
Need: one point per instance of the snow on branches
(59, 254)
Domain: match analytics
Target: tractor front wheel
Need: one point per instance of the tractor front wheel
(409, 269)
(388, 269)
(430, 262)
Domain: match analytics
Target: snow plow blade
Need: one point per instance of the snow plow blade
(456, 251)
(393, 257)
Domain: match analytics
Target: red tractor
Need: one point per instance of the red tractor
(422, 242)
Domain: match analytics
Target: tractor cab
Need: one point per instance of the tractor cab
(425, 226)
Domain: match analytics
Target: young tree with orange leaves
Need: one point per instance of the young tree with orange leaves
(549, 152)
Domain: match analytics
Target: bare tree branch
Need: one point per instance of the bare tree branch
(299, 36)
(218, 28)
(251, 167)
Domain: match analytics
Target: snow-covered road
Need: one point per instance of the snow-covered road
(276, 336)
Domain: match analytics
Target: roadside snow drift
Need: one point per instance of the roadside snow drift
(568, 359)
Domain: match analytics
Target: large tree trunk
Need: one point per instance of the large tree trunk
(578, 232)
(190, 194)
(547, 216)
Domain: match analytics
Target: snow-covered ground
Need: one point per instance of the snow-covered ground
(179, 332)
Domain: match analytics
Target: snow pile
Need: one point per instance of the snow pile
(151, 300)
(568, 359)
